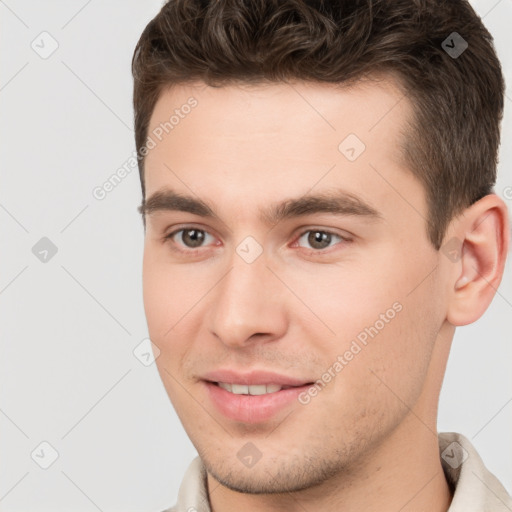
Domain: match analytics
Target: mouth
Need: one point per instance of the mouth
(253, 403)
(253, 389)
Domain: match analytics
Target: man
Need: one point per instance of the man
(319, 215)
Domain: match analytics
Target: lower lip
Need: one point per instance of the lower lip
(252, 408)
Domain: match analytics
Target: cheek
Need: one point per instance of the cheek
(372, 380)
(343, 299)
(168, 292)
(164, 307)
(392, 366)
(171, 295)
(380, 323)
(157, 300)
(163, 311)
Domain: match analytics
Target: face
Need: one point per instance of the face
(301, 259)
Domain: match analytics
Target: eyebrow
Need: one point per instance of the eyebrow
(336, 202)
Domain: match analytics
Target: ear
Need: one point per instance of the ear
(483, 232)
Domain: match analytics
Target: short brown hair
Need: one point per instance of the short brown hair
(452, 145)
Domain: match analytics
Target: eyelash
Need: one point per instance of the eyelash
(310, 251)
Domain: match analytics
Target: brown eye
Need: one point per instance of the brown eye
(189, 238)
(192, 237)
(319, 239)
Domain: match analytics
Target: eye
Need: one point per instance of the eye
(191, 238)
(320, 239)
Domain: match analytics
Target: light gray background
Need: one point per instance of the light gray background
(69, 326)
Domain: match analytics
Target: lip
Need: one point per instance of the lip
(252, 408)
(254, 377)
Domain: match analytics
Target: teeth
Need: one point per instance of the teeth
(239, 389)
(243, 389)
(272, 388)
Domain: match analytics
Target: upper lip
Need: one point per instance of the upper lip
(254, 377)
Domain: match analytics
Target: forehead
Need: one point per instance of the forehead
(308, 110)
(269, 141)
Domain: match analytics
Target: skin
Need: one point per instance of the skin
(368, 440)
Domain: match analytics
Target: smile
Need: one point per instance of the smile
(254, 389)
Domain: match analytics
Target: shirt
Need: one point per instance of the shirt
(474, 487)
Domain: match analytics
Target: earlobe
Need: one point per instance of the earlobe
(484, 232)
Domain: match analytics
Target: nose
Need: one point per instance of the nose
(249, 304)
